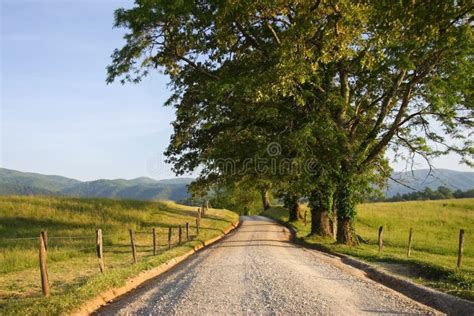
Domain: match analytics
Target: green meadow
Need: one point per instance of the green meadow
(433, 258)
(72, 263)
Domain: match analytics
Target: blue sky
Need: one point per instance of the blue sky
(58, 116)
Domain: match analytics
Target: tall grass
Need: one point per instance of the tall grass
(436, 226)
(72, 263)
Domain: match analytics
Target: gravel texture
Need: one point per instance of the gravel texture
(256, 270)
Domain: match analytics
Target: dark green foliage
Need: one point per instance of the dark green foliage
(458, 194)
(245, 201)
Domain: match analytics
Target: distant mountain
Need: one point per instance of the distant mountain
(420, 179)
(177, 181)
(142, 180)
(34, 180)
(14, 182)
(127, 189)
(25, 183)
(20, 189)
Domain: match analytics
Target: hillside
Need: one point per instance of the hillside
(35, 181)
(14, 182)
(419, 179)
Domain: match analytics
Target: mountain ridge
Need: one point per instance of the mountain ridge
(13, 182)
(422, 178)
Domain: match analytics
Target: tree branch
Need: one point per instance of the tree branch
(386, 105)
(197, 67)
(389, 134)
(277, 39)
(250, 38)
(345, 91)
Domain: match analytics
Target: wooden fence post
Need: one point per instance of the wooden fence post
(380, 238)
(410, 237)
(203, 209)
(461, 246)
(180, 235)
(187, 231)
(197, 227)
(206, 205)
(45, 238)
(169, 237)
(154, 241)
(42, 261)
(132, 244)
(100, 249)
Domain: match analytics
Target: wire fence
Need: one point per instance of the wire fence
(110, 249)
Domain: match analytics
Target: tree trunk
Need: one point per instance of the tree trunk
(345, 231)
(295, 211)
(320, 221)
(319, 201)
(293, 215)
(334, 220)
(265, 200)
(294, 208)
(346, 212)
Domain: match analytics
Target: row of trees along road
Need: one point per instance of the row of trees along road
(335, 84)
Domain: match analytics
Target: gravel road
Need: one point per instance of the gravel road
(256, 270)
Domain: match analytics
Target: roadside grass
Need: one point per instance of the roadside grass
(433, 258)
(73, 267)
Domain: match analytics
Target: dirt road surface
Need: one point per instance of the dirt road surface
(256, 270)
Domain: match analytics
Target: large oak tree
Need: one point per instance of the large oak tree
(363, 76)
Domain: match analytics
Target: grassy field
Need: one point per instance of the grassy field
(436, 227)
(72, 263)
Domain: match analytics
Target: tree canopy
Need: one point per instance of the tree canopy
(334, 82)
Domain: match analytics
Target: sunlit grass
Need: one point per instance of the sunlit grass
(72, 263)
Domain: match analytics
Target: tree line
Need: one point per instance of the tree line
(440, 193)
(305, 98)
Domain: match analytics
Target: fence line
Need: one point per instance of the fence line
(154, 246)
(460, 248)
(171, 236)
(19, 238)
(71, 237)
